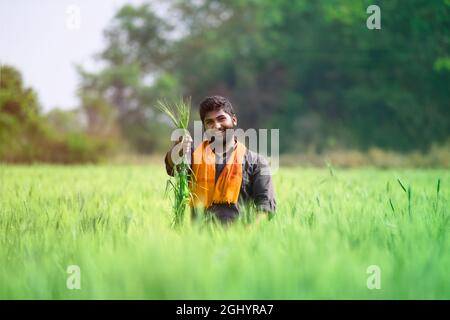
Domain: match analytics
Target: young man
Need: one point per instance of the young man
(226, 175)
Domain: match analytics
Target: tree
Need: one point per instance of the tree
(136, 55)
(311, 68)
(27, 136)
(20, 122)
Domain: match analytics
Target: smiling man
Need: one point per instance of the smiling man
(225, 174)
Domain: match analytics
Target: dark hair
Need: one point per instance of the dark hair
(215, 103)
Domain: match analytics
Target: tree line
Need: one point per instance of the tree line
(311, 68)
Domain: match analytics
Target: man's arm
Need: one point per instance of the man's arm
(263, 191)
(169, 164)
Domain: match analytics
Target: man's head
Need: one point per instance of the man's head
(217, 114)
(213, 106)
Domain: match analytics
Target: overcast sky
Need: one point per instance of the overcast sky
(44, 40)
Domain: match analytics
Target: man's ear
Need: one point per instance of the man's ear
(234, 119)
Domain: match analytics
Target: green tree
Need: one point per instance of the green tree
(27, 136)
(136, 56)
(21, 125)
(311, 68)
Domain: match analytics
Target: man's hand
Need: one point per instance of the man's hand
(179, 149)
(261, 216)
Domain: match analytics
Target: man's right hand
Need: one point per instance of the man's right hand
(179, 149)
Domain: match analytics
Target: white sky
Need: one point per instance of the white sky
(35, 38)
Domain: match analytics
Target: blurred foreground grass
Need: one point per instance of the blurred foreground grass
(113, 222)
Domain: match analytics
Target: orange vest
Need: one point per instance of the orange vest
(206, 191)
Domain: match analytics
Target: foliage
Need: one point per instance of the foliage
(179, 114)
(28, 136)
(311, 68)
(327, 231)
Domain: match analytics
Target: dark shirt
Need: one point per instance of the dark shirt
(256, 188)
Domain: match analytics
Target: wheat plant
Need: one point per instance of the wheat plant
(179, 113)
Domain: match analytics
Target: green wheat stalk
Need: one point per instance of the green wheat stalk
(178, 113)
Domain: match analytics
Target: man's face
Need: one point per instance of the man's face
(217, 122)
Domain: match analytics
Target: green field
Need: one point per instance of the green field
(114, 223)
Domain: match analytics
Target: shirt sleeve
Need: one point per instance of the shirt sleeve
(262, 187)
(169, 168)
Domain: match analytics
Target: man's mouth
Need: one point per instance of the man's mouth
(221, 131)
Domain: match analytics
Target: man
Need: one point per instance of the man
(225, 174)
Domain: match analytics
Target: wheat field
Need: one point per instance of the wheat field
(113, 222)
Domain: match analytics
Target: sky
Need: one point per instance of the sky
(45, 39)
